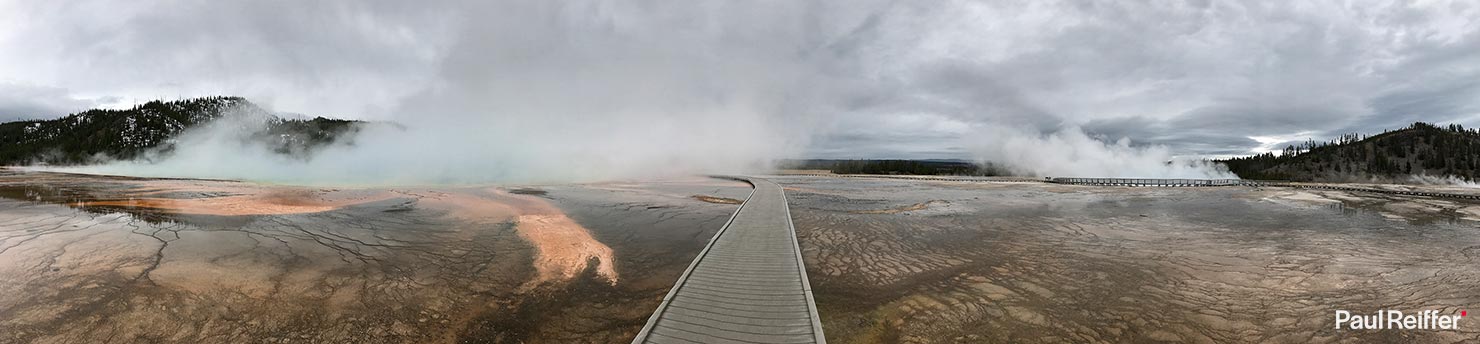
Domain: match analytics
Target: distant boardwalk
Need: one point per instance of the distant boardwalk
(1254, 183)
(1150, 181)
(748, 285)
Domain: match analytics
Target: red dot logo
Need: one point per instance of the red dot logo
(1463, 313)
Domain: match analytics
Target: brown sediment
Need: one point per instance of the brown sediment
(802, 189)
(248, 202)
(432, 265)
(563, 248)
(896, 210)
(796, 189)
(467, 206)
(1049, 263)
(184, 196)
(528, 191)
(708, 181)
(717, 200)
(643, 189)
(1393, 207)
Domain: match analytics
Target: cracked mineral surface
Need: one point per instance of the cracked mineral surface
(117, 259)
(933, 261)
(89, 259)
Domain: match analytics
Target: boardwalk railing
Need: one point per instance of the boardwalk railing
(1374, 190)
(1146, 181)
(941, 178)
(1253, 183)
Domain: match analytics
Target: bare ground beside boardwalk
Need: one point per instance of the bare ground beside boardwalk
(889, 260)
(87, 259)
(922, 261)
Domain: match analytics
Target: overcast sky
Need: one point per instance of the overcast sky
(863, 79)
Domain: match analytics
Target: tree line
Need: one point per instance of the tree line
(1420, 148)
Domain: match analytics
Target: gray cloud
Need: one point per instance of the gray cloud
(829, 78)
(353, 59)
(22, 102)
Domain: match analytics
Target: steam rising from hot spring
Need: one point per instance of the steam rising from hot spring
(550, 151)
(1069, 152)
(530, 150)
(576, 91)
(565, 93)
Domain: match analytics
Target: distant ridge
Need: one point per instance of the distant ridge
(91, 135)
(1421, 149)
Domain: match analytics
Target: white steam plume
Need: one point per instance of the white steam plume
(587, 90)
(1425, 179)
(563, 92)
(1070, 153)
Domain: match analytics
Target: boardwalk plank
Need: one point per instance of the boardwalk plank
(748, 285)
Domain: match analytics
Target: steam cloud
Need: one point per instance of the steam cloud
(1441, 180)
(556, 91)
(549, 92)
(1071, 153)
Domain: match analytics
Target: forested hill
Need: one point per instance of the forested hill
(96, 134)
(1421, 149)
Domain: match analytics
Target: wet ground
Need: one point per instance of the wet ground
(922, 262)
(86, 259)
(117, 259)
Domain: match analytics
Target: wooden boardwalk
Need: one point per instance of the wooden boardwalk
(747, 286)
(1255, 183)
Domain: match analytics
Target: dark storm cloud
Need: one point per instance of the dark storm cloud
(1440, 103)
(851, 79)
(1204, 139)
(1204, 79)
(1441, 84)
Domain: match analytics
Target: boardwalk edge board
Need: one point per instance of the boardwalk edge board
(806, 285)
(658, 313)
(760, 237)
